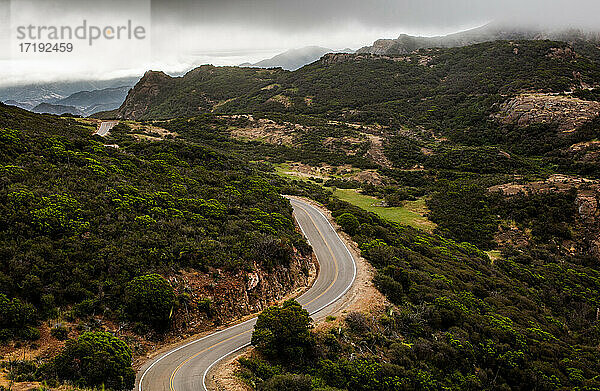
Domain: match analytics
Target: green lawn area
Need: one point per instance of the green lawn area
(410, 214)
(283, 169)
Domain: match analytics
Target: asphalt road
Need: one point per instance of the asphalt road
(105, 127)
(185, 368)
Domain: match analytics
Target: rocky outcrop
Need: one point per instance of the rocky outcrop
(566, 112)
(337, 58)
(216, 297)
(234, 295)
(141, 96)
(586, 228)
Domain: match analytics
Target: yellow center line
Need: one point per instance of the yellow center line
(199, 353)
(335, 263)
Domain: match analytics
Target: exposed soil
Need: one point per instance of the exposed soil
(376, 151)
(586, 235)
(267, 131)
(370, 176)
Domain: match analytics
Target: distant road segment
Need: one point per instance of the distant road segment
(105, 127)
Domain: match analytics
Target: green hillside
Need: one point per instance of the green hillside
(79, 220)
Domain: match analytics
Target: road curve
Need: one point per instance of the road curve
(185, 368)
(105, 127)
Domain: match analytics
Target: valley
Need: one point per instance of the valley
(467, 177)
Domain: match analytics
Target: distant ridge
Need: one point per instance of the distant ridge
(34, 94)
(90, 102)
(295, 58)
(405, 44)
(47, 108)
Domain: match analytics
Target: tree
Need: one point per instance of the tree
(150, 299)
(95, 359)
(16, 319)
(283, 332)
(348, 222)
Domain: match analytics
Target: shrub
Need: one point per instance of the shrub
(95, 359)
(287, 382)
(206, 305)
(283, 332)
(348, 222)
(16, 319)
(60, 332)
(150, 299)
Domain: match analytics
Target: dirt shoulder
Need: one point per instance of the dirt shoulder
(362, 297)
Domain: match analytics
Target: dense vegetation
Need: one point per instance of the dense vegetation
(89, 229)
(79, 220)
(16, 319)
(459, 321)
(308, 145)
(283, 332)
(94, 359)
(151, 300)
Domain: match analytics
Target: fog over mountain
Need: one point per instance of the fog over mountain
(187, 33)
(35, 93)
(491, 32)
(295, 58)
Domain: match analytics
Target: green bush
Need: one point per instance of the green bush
(206, 305)
(348, 222)
(95, 359)
(16, 319)
(283, 332)
(150, 299)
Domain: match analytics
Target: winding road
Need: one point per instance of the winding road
(105, 127)
(185, 368)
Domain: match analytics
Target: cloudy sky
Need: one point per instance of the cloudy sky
(182, 34)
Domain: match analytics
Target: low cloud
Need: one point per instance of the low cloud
(186, 33)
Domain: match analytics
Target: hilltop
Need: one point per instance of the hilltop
(405, 44)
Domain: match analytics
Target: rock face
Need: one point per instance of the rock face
(234, 295)
(566, 112)
(586, 229)
(140, 97)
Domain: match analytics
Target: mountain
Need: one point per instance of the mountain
(358, 85)
(60, 190)
(203, 89)
(48, 108)
(90, 102)
(21, 105)
(494, 144)
(295, 58)
(34, 94)
(405, 44)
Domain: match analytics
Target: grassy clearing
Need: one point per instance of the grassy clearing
(284, 170)
(494, 255)
(411, 213)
